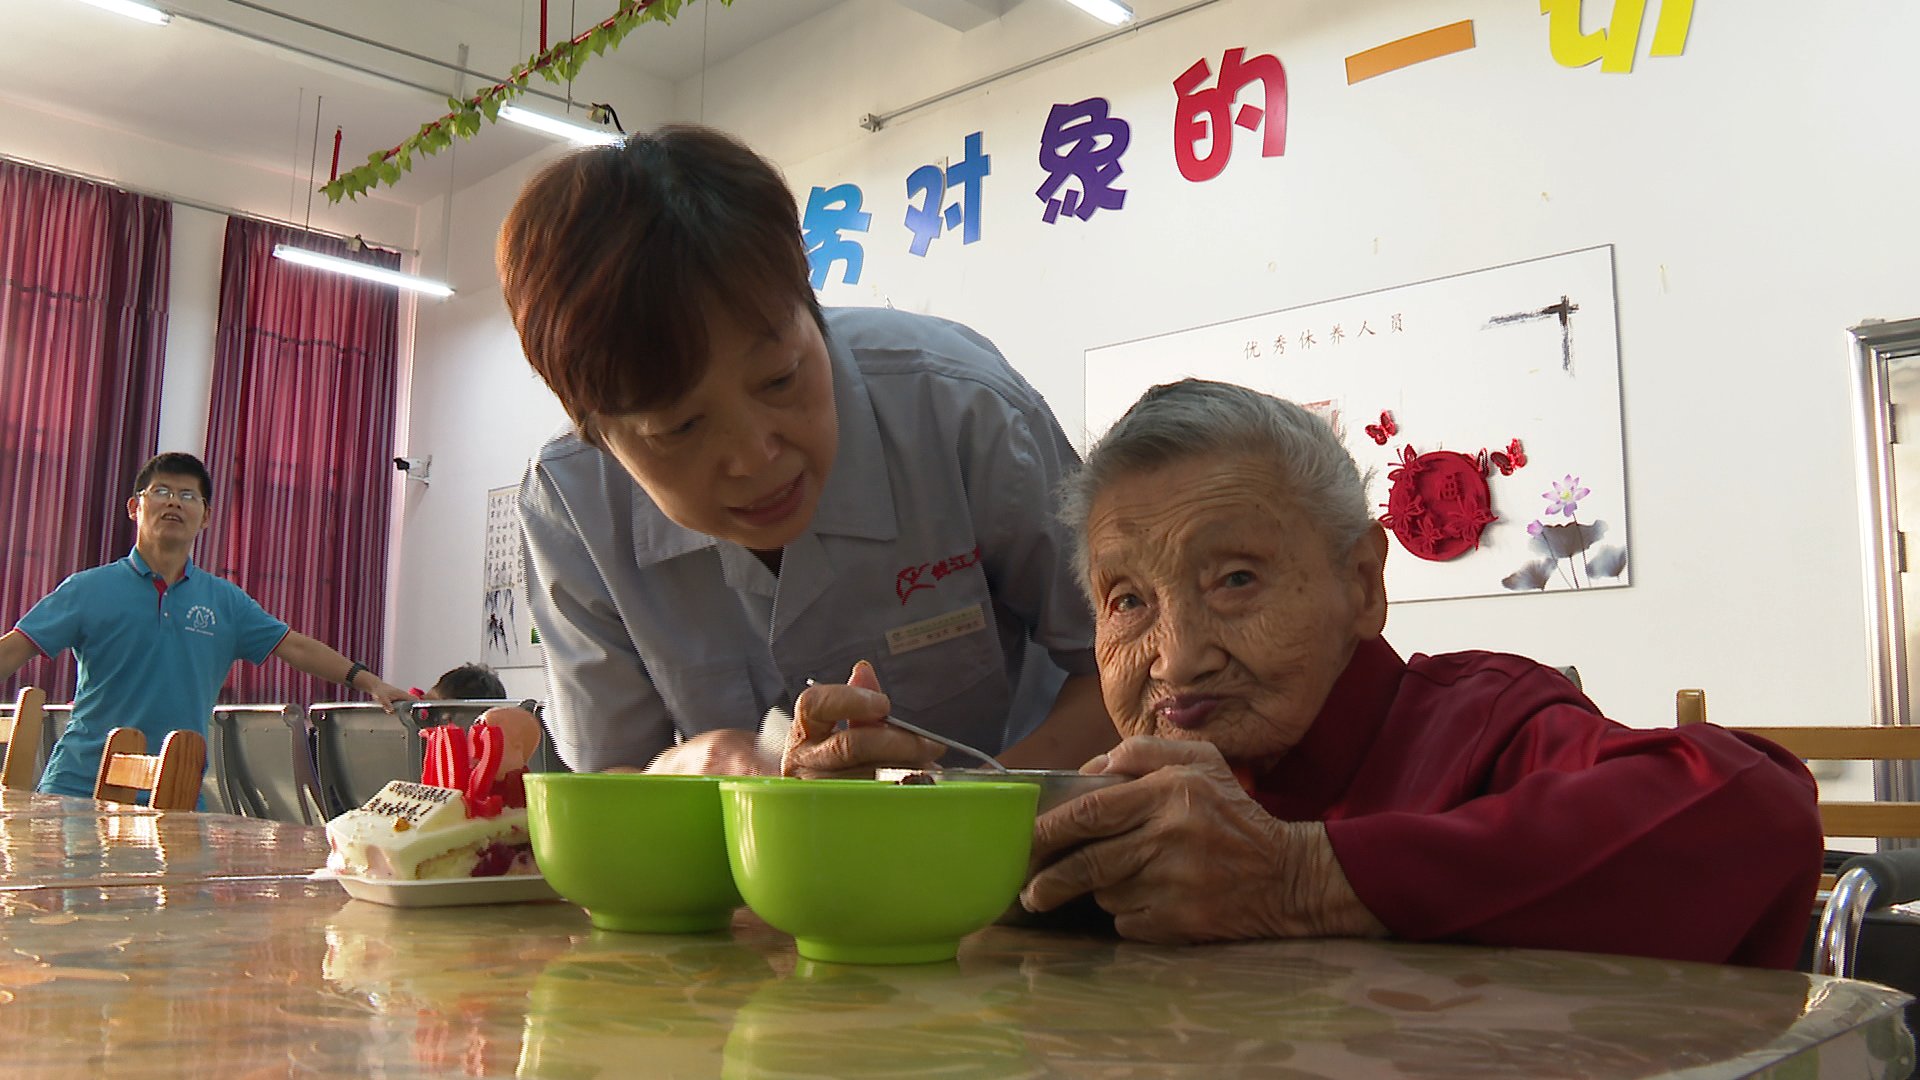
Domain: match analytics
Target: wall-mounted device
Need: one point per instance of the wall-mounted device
(416, 468)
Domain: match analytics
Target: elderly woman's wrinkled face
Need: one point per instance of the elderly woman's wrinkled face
(1220, 612)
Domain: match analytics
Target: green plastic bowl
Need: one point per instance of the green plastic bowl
(865, 872)
(643, 854)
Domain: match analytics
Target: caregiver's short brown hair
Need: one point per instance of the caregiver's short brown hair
(613, 258)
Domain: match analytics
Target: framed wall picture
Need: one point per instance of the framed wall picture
(1485, 404)
(508, 638)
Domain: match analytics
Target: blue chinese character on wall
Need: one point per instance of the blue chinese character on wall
(927, 219)
(1081, 142)
(830, 212)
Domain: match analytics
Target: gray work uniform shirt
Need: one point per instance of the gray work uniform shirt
(934, 554)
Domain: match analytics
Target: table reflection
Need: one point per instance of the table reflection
(65, 848)
(676, 994)
(946, 1020)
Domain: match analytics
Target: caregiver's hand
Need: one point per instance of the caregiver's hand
(838, 731)
(723, 752)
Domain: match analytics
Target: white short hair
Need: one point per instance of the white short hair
(1198, 418)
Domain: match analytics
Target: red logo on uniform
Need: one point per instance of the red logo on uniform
(928, 574)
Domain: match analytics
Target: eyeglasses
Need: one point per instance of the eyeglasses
(161, 493)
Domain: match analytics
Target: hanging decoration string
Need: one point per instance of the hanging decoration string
(293, 163)
(313, 163)
(557, 64)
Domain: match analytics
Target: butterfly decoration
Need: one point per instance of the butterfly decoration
(1384, 430)
(1513, 458)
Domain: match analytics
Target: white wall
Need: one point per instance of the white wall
(129, 157)
(1755, 188)
(479, 409)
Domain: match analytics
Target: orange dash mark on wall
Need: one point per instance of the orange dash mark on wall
(1394, 55)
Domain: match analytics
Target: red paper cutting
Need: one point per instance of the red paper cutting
(1438, 503)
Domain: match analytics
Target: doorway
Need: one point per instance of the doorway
(1887, 398)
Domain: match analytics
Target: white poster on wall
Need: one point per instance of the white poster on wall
(1486, 403)
(508, 637)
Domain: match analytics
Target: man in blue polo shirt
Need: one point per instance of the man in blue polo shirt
(155, 635)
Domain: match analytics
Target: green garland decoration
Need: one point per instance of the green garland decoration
(561, 63)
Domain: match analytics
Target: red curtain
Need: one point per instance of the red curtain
(83, 328)
(300, 444)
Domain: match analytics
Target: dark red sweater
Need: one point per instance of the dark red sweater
(1479, 797)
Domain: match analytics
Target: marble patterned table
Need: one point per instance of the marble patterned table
(129, 967)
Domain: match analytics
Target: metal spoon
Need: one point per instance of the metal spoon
(952, 744)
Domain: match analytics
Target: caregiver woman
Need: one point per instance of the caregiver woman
(754, 493)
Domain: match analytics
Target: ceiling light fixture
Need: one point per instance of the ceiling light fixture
(337, 265)
(146, 13)
(1111, 12)
(578, 134)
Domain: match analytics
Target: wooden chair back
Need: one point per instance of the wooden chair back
(20, 769)
(171, 778)
(1880, 819)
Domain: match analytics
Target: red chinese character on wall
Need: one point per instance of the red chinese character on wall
(1208, 114)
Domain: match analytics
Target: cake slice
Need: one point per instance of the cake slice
(467, 818)
(414, 832)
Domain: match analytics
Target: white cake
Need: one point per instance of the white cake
(411, 832)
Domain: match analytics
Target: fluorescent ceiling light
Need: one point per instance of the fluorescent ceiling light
(146, 13)
(1111, 12)
(578, 134)
(360, 270)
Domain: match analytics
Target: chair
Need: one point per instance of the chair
(260, 763)
(1880, 819)
(19, 770)
(1854, 934)
(171, 778)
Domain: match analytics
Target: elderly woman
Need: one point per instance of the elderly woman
(1298, 778)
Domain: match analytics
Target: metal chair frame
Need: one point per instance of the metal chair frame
(236, 779)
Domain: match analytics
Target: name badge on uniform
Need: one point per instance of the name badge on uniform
(918, 635)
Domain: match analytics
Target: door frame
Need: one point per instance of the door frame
(1874, 346)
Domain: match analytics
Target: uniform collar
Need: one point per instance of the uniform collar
(139, 564)
(857, 500)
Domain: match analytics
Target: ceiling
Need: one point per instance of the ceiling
(264, 83)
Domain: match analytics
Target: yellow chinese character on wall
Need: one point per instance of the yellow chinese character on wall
(1614, 45)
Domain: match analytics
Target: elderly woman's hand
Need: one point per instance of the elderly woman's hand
(1183, 855)
(819, 746)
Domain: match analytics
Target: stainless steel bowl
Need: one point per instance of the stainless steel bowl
(1056, 785)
